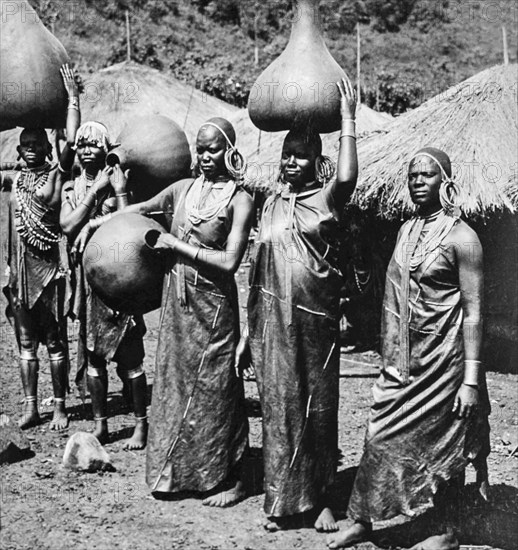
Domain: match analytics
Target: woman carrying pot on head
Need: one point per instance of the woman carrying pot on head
(37, 272)
(104, 335)
(428, 418)
(198, 425)
(293, 319)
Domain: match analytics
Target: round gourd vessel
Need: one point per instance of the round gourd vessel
(298, 89)
(33, 94)
(156, 152)
(121, 265)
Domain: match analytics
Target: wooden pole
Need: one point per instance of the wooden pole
(128, 37)
(358, 63)
(506, 49)
(256, 47)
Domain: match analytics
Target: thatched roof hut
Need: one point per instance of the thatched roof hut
(475, 122)
(263, 149)
(116, 94)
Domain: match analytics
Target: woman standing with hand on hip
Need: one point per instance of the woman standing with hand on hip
(293, 318)
(427, 421)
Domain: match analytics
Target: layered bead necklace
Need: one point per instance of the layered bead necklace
(30, 212)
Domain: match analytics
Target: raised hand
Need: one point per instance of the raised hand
(104, 180)
(119, 179)
(69, 80)
(347, 99)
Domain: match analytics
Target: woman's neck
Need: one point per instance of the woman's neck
(429, 211)
(91, 173)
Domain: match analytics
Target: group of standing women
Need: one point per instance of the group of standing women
(420, 430)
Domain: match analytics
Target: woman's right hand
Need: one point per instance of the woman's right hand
(69, 80)
(81, 240)
(104, 180)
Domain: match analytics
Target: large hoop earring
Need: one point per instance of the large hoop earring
(236, 164)
(449, 195)
(324, 169)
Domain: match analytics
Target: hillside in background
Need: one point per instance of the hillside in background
(411, 49)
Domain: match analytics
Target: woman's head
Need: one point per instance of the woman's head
(92, 145)
(427, 170)
(300, 152)
(214, 138)
(34, 147)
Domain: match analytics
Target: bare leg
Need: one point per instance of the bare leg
(138, 388)
(58, 369)
(98, 388)
(29, 374)
(356, 533)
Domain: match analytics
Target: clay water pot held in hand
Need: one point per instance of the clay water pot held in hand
(121, 265)
(298, 89)
(33, 94)
(156, 151)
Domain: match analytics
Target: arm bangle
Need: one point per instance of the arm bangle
(345, 134)
(121, 194)
(472, 372)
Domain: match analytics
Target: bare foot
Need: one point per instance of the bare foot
(357, 532)
(274, 524)
(446, 541)
(60, 418)
(139, 438)
(101, 431)
(325, 522)
(224, 499)
(30, 416)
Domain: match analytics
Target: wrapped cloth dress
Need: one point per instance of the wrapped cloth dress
(414, 441)
(293, 317)
(198, 423)
(103, 333)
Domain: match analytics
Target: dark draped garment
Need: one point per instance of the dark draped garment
(414, 441)
(293, 317)
(198, 425)
(101, 329)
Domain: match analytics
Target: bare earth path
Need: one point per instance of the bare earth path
(44, 506)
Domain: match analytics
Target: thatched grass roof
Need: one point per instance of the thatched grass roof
(263, 149)
(116, 94)
(475, 122)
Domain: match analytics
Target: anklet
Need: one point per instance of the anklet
(59, 399)
(141, 418)
(100, 418)
(30, 398)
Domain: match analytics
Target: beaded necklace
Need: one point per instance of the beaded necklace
(30, 213)
(361, 285)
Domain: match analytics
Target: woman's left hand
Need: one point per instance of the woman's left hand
(165, 241)
(466, 401)
(69, 80)
(347, 99)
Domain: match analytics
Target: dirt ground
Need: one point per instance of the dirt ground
(45, 506)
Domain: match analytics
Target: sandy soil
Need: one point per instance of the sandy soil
(46, 506)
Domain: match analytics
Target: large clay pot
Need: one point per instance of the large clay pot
(121, 265)
(298, 89)
(33, 94)
(156, 151)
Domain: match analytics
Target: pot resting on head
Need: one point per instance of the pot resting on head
(156, 152)
(33, 94)
(121, 265)
(298, 89)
